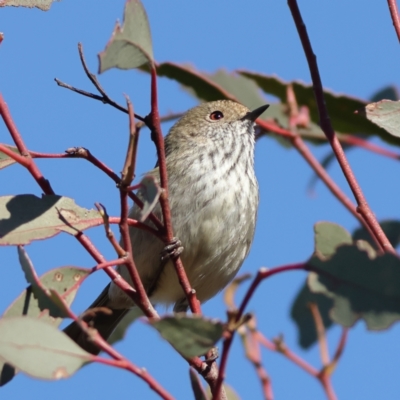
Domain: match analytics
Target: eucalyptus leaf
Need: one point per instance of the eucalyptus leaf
(189, 335)
(39, 349)
(130, 46)
(25, 218)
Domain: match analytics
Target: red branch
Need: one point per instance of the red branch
(262, 274)
(28, 164)
(304, 150)
(394, 13)
(45, 185)
(166, 211)
(325, 123)
(118, 359)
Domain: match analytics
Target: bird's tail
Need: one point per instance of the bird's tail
(104, 323)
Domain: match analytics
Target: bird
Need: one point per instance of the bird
(213, 196)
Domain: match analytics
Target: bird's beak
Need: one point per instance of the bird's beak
(253, 115)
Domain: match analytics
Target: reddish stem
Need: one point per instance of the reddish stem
(303, 149)
(262, 274)
(29, 164)
(327, 385)
(326, 126)
(140, 372)
(119, 360)
(112, 263)
(394, 13)
(283, 349)
(166, 211)
(340, 348)
(321, 334)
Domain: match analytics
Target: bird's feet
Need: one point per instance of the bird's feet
(172, 250)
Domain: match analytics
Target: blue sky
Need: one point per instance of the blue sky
(358, 53)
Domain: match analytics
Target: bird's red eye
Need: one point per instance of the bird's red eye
(216, 115)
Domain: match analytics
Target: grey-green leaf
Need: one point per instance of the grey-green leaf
(5, 160)
(130, 46)
(189, 335)
(120, 331)
(39, 349)
(386, 114)
(328, 237)
(25, 218)
(301, 314)
(390, 227)
(65, 281)
(361, 286)
(42, 294)
(341, 108)
(43, 5)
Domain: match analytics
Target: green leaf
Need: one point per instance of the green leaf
(201, 85)
(130, 46)
(198, 390)
(241, 88)
(328, 237)
(361, 287)
(191, 336)
(43, 5)
(303, 318)
(386, 114)
(390, 227)
(42, 294)
(39, 349)
(25, 218)
(65, 281)
(120, 331)
(387, 93)
(150, 192)
(341, 108)
(5, 160)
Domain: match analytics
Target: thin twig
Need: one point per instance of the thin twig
(153, 122)
(321, 334)
(253, 354)
(394, 13)
(340, 349)
(262, 274)
(87, 155)
(325, 123)
(119, 360)
(104, 98)
(128, 172)
(280, 346)
(304, 150)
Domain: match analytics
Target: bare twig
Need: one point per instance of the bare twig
(153, 122)
(325, 123)
(87, 155)
(253, 354)
(394, 13)
(128, 172)
(119, 360)
(321, 334)
(262, 274)
(104, 98)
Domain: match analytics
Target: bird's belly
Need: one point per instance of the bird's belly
(216, 239)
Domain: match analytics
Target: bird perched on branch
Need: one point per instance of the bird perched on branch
(213, 195)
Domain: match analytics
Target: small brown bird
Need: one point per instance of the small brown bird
(213, 195)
